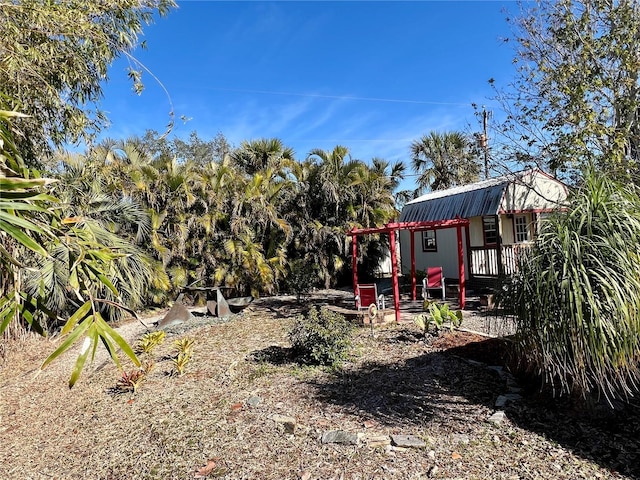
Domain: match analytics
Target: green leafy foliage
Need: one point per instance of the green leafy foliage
(183, 348)
(149, 341)
(302, 277)
(321, 337)
(437, 316)
(575, 97)
(55, 60)
(576, 297)
(444, 160)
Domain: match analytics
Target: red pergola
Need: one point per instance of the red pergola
(412, 227)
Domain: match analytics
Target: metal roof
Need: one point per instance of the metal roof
(466, 201)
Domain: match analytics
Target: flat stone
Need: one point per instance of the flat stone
(497, 418)
(409, 441)
(340, 436)
(461, 438)
(378, 439)
(289, 423)
(254, 401)
(501, 401)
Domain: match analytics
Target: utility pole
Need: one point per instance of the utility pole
(484, 141)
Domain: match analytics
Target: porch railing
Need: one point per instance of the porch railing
(484, 261)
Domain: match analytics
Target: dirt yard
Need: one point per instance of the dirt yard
(401, 408)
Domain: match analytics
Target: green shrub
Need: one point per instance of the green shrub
(576, 298)
(321, 337)
(437, 316)
(302, 277)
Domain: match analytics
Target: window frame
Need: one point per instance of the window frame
(429, 239)
(485, 220)
(527, 230)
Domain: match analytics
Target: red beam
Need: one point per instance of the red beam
(461, 285)
(413, 265)
(354, 262)
(394, 275)
(410, 226)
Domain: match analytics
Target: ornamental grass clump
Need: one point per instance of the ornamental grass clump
(321, 337)
(576, 297)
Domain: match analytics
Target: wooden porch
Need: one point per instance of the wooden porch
(495, 262)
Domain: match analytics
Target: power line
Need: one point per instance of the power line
(340, 97)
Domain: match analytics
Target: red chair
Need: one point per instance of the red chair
(366, 294)
(433, 281)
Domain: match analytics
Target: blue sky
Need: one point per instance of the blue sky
(372, 76)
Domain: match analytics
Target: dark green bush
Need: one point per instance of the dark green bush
(303, 276)
(321, 337)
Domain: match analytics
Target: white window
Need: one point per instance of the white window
(523, 232)
(429, 242)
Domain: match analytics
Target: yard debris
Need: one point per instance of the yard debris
(396, 380)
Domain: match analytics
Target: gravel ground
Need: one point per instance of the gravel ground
(224, 417)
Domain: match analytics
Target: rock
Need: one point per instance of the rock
(501, 401)
(378, 440)
(289, 423)
(340, 436)
(254, 401)
(408, 441)
(431, 455)
(497, 418)
(461, 438)
(433, 471)
(177, 315)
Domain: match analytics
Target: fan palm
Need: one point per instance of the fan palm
(444, 160)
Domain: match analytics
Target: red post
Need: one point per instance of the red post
(413, 264)
(394, 275)
(354, 262)
(461, 268)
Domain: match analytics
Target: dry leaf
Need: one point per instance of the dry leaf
(236, 406)
(370, 423)
(130, 401)
(206, 470)
(456, 456)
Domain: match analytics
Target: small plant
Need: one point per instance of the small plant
(321, 337)
(150, 341)
(184, 352)
(130, 381)
(437, 315)
(184, 345)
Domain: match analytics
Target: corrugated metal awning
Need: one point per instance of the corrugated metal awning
(482, 198)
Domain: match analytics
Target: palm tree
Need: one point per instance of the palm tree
(444, 160)
(256, 155)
